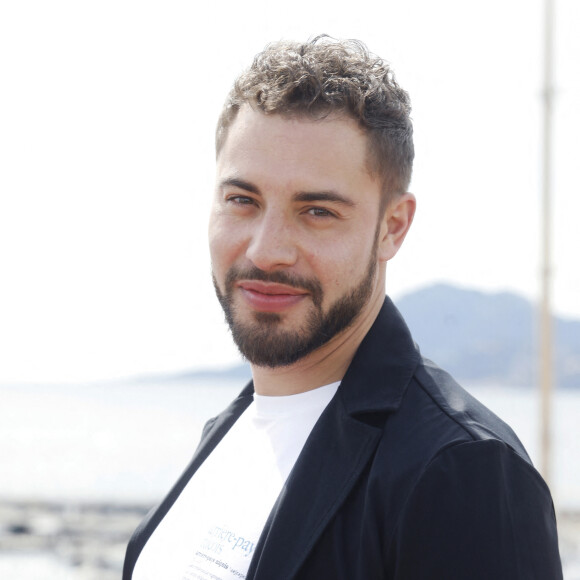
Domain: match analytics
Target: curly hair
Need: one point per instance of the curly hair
(325, 76)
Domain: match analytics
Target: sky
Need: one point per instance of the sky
(107, 114)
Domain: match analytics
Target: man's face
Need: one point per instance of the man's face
(293, 233)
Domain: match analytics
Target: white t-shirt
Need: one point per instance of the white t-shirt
(211, 530)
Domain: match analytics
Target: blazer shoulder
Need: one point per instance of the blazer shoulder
(478, 510)
(462, 409)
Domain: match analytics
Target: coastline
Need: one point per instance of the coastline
(87, 540)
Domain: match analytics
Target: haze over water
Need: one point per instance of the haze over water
(128, 442)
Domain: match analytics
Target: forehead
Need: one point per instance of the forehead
(334, 148)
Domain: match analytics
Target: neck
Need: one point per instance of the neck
(325, 365)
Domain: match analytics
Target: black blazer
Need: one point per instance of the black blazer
(404, 477)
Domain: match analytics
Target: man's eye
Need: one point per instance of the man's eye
(241, 199)
(320, 212)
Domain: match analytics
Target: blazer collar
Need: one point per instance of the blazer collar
(382, 367)
(338, 449)
(387, 355)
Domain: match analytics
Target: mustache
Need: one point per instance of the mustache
(278, 277)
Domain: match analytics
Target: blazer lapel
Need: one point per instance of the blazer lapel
(213, 433)
(336, 453)
(341, 444)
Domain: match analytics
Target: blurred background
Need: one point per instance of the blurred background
(113, 346)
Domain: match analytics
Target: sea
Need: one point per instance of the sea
(127, 442)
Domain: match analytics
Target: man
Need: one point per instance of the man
(348, 456)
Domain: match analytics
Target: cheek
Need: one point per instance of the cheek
(225, 246)
(340, 265)
(217, 244)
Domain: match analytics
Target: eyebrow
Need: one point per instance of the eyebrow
(241, 184)
(302, 196)
(315, 196)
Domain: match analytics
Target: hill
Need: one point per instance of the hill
(478, 337)
(488, 338)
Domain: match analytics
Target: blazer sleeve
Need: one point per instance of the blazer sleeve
(479, 511)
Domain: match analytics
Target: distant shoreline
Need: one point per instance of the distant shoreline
(93, 535)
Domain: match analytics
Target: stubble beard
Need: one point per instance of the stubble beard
(264, 344)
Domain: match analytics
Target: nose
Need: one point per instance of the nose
(272, 244)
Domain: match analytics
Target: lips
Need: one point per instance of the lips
(270, 297)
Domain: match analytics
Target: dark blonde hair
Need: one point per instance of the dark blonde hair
(325, 76)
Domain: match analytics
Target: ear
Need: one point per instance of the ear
(395, 225)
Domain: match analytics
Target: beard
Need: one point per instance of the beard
(264, 344)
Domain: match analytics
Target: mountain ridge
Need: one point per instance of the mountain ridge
(488, 337)
(479, 337)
